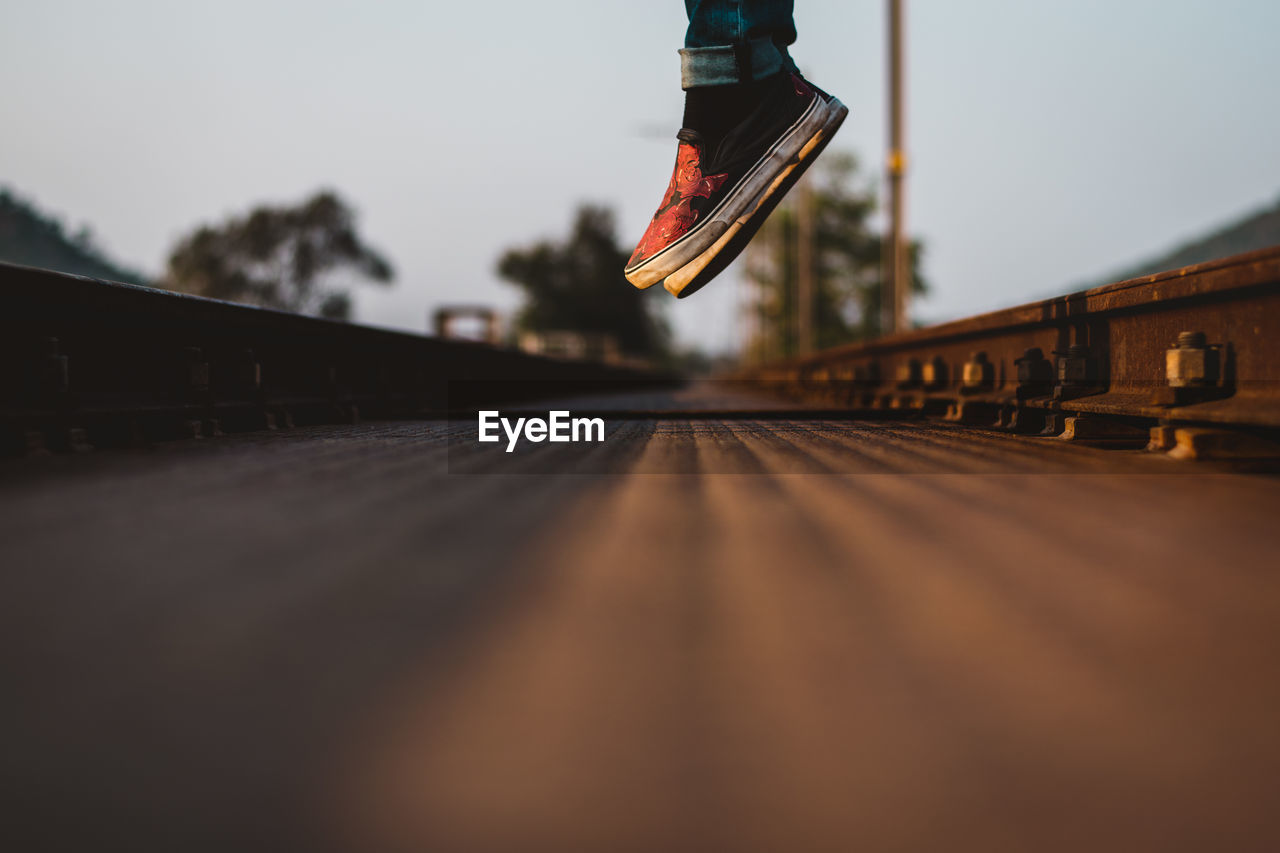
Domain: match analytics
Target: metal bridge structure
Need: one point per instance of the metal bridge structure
(1008, 583)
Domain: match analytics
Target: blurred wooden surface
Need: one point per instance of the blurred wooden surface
(815, 635)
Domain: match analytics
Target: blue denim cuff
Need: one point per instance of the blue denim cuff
(725, 65)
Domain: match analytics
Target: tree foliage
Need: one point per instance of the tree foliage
(577, 285)
(848, 264)
(34, 238)
(279, 257)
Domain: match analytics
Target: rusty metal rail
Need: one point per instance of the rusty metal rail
(85, 362)
(1189, 359)
(1198, 346)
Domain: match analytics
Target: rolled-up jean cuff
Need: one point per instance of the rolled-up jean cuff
(721, 65)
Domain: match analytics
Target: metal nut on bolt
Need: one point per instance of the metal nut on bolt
(1034, 368)
(197, 373)
(908, 373)
(1073, 365)
(1191, 361)
(54, 375)
(934, 372)
(978, 371)
(250, 370)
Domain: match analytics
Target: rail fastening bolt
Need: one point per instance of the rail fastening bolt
(978, 371)
(1190, 361)
(1073, 366)
(1192, 340)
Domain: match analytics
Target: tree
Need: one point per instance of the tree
(577, 286)
(33, 238)
(848, 268)
(279, 257)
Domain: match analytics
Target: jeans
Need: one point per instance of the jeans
(736, 41)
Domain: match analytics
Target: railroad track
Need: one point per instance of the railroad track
(1190, 357)
(1188, 360)
(823, 622)
(90, 363)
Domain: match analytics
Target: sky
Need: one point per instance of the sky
(1050, 142)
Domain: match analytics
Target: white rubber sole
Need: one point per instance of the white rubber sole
(835, 116)
(738, 205)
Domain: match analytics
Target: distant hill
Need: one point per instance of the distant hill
(36, 239)
(1255, 231)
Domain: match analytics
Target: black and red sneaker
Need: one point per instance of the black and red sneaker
(716, 201)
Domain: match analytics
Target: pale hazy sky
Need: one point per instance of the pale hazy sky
(1051, 142)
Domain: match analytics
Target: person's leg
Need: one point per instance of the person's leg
(732, 48)
(752, 125)
(736, 41)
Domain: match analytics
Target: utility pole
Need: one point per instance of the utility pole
(897, 278)
(804, 268)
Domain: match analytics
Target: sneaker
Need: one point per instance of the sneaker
(716, 201)
(693, 277)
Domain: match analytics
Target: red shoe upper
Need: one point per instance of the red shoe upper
(676, 215)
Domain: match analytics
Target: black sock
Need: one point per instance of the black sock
(713, 111)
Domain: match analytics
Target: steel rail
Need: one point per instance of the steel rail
(85, 362)
(1198, 345)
